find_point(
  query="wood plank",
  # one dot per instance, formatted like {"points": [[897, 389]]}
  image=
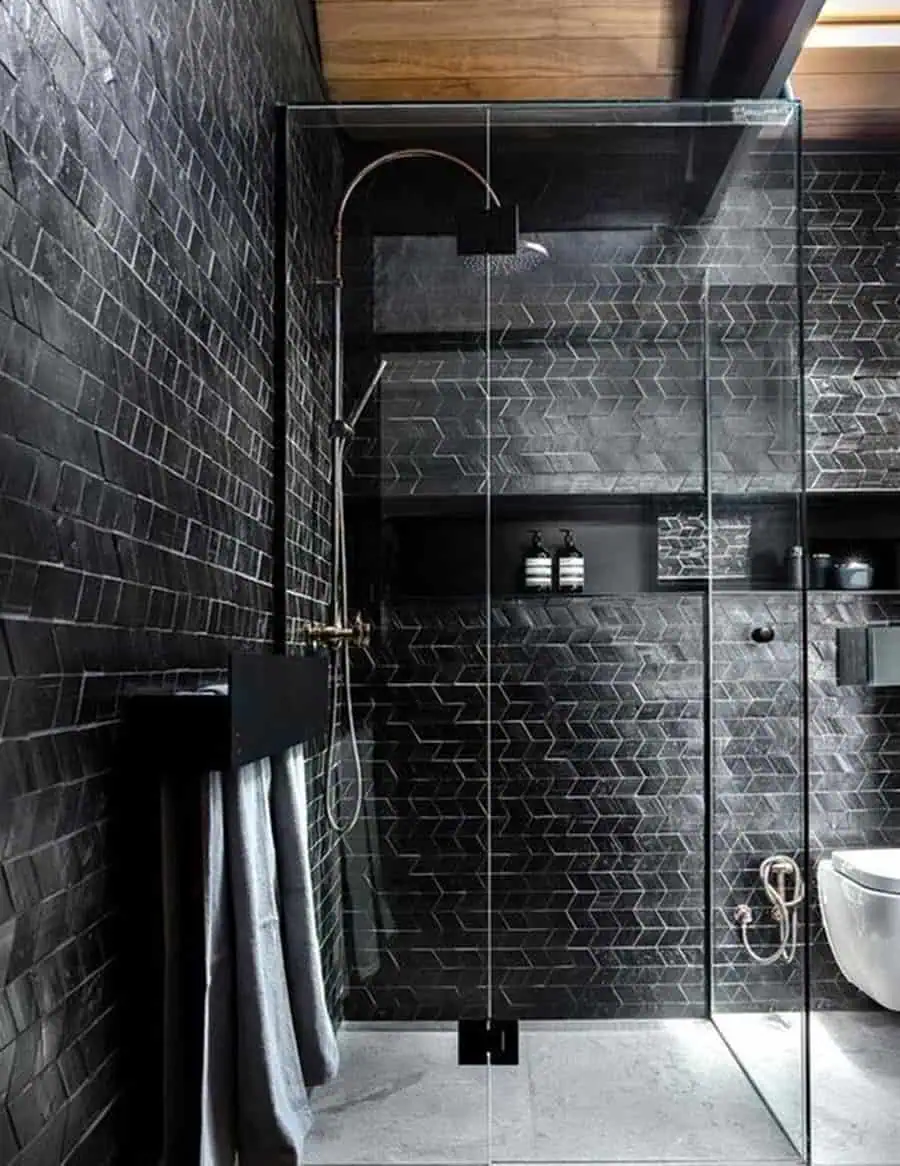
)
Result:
{"points": [[851, 125], [840, 62], [561, 88], [439, 20], [859, 11], [871, 91], [392, 60]]}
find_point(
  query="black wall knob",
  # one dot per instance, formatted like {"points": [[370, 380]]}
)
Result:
{"points": [[762, 635]]}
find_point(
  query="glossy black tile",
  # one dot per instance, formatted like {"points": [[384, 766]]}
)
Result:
{"points": [[560, 774], [135, 422]]}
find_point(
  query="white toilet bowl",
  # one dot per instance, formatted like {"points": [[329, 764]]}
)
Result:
{"points": [[860, 895]]}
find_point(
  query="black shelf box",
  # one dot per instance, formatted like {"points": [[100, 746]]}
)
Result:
{"points": [[269, 704]]}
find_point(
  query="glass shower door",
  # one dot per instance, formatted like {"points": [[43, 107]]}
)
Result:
{"points": [[597, 695], [565, 796], [645, 750], [404, 912], [758, 555]]}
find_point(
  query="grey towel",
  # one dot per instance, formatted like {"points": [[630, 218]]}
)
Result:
{"points": [[267, 1035], [273, 1113], [370, 918], [306, 988], [218, 1131]]}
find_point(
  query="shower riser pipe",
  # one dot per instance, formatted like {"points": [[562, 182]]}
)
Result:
{"points": [[337, 409]]}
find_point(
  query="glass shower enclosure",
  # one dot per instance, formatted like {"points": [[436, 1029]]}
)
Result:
{"points": [[574, 512]]}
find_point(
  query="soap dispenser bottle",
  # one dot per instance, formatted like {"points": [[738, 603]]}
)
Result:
{"points": [[538, 565], [569, 565]]}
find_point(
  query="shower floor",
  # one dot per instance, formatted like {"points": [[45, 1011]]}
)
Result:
{"points": [[608, 1091], [855, 1078]]}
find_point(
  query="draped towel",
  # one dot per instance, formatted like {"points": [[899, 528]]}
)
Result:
{"points": [[268, 1037]]}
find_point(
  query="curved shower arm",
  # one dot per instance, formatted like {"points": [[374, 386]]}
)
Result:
{"points": [[339, 426], [397, 156]]}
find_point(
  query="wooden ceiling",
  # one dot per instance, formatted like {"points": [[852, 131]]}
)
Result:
{"points": [[500, 50], [848, 74]]}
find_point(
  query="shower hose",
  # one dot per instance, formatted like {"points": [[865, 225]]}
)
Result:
{"points": [[775, 871], [341, 671]]}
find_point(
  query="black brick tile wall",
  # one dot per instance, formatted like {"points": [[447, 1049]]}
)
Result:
{"points": [[136, 231], [313, 185]]}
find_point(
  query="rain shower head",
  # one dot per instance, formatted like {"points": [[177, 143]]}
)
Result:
{"points": [[528, 255], [490, 238]]}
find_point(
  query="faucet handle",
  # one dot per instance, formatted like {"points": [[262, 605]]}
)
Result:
{"points": [[357, 635]]}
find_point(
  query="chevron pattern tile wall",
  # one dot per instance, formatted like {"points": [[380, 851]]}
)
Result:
{"points": [[854, 789], [645, 287], [598, 802], [682, 552], [612, 418], [757, 785], [424, 685], [597, 775], [754, 389], [758, 796], [597, 792], [852, 351], [609, 407], [853, 380]]}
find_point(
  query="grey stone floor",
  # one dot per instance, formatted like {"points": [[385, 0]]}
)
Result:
{"points": [[854, 1075], [642, 1091]]}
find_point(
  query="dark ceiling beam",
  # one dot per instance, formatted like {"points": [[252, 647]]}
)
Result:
{"points": [[737, 49], [707, 21], [706, 24], [760, 48]]}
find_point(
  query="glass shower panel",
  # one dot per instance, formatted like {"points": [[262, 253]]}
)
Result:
{"points": [[757, 552], [408, 871], [565, 795], [599, 717]]}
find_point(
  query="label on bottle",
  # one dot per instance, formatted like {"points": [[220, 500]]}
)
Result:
{"points": [[538, 573], [571, 574]]}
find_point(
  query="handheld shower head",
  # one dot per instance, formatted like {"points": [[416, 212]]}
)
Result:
{"points": [[354, 417]]}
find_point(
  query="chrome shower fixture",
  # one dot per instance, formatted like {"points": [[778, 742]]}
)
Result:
{"points": [[364, 399], [490, 240], [777, 872], [527, 257], [489, 235], [317, 635]]}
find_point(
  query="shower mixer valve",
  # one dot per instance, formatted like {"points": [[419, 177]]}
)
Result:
{"points": [[357, 635]]}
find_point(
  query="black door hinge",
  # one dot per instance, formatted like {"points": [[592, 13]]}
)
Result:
{"points": [[487, 1040]]}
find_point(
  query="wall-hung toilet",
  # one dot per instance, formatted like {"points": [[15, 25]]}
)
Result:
{"points": [[859, 891]]}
